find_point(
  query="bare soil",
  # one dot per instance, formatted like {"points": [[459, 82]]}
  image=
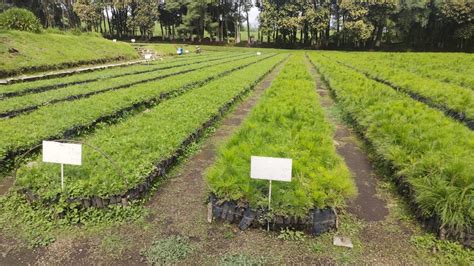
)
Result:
{"points": [[366, 206], [5, 184]]}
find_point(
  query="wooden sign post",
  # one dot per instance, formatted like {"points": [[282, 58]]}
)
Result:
{"points": [[269, 168], [62, 153]]}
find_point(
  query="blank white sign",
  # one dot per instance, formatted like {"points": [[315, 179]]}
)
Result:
{"points": [[64, 153], [270, 168]]}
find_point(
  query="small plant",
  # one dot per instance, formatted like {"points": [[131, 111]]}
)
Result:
{"points": [[345, 258], [19, 19], [102, 181], [444, 252], [316, 247], [289, 235], [113, 246], [240, 259], [168, 250], [290, 105], [440, 176], [228, 235]]}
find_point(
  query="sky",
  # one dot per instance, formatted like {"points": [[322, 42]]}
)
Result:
{"points": [[253, 16]]}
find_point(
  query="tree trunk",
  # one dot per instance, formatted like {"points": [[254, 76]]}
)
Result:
{"points": [[301, 36], [248, 28], [100, 24], [237, 30], [226, 36], [174, 33], [378, 36], [221, 31], [106, 9], [162, 32], [294, 36], [326, 34]]}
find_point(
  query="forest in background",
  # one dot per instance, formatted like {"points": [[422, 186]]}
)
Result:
{"points": [[321, 24]]}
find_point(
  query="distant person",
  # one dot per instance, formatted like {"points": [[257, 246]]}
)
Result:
{"points": [[180, 51], [198, 50]]}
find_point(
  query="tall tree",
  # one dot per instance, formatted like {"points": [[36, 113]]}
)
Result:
{"points": [[379, 15], [143, 16], [356, 27], [87, 12]]}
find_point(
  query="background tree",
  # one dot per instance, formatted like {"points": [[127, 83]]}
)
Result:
{"points": [[379, 16], [337, 24], [88, 12], [143, 15], [194, 19]]}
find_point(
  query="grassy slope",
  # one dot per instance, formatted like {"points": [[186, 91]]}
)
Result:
{"points": [[46, 51]]}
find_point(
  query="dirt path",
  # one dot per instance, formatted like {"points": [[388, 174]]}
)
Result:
{"points": [[5, 184], [366, 206]]}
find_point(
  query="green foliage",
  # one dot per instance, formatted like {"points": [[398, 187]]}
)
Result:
{"points": [[193, 21], [241, 259], [129, 144], [444, 252], [38, 226], [438, 92], [52, 83], [287, 122], [430, 151], [419, 24], [359, 30], [87, 12], [289, 235], [104, 80], [143, 17], [19, 19], [316, 247], [356, 26], [228, 235], [465, 33], [28, 130], [168, 250], [113, 246], [34, 52], [434, 69]]}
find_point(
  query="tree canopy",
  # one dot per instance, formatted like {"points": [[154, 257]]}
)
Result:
{"points": [[419, 24]]}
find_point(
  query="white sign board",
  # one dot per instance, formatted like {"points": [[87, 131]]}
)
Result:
{"points": [[63, 153], [147, 56], [269, 168], [133, 40], [114, 40]]}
